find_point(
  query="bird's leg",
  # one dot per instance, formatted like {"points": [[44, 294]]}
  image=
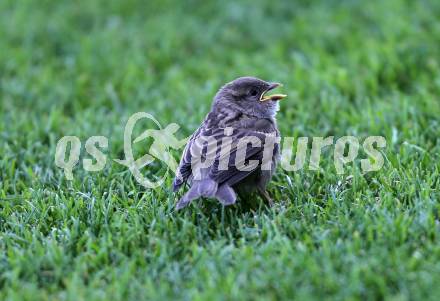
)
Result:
{"points": [[265, 195]]}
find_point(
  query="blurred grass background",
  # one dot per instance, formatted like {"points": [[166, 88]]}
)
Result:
{"points": [[349, 67]]}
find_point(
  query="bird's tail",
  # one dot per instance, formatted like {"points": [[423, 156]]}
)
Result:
{"points": [[204, 188], [208, 188]]}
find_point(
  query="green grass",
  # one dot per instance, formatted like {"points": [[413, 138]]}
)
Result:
{"points": [[349, 68]]}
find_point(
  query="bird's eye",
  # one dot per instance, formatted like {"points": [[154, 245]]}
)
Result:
{"points": [[253, 92]]}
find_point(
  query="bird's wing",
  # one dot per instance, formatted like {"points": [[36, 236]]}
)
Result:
{"points": [[183, 171], [234, 172], [225, 167]]}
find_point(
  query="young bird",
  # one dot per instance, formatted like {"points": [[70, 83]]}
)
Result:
{"points": [[240, 109]]}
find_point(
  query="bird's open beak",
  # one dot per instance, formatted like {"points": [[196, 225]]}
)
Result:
{"points": [[272, 86]]}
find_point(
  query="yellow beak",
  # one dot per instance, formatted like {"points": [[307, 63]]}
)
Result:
{"points": [[265, 97]]}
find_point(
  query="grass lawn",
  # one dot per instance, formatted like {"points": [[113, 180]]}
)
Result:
{"points": [[82, 68]]}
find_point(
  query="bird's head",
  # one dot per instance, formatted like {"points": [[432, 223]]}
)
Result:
{"points": [[249, 95]]}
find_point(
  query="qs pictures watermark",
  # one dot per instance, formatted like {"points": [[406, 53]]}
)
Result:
{"points": [[346, 150]]}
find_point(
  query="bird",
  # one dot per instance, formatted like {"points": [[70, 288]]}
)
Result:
{"points": [[241, 113]]}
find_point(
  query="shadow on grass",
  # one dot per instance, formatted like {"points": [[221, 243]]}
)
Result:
{"points": [[232, 221]]}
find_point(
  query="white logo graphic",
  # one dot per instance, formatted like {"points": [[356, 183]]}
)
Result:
{"points": [[205, 152], [163, 139]]}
